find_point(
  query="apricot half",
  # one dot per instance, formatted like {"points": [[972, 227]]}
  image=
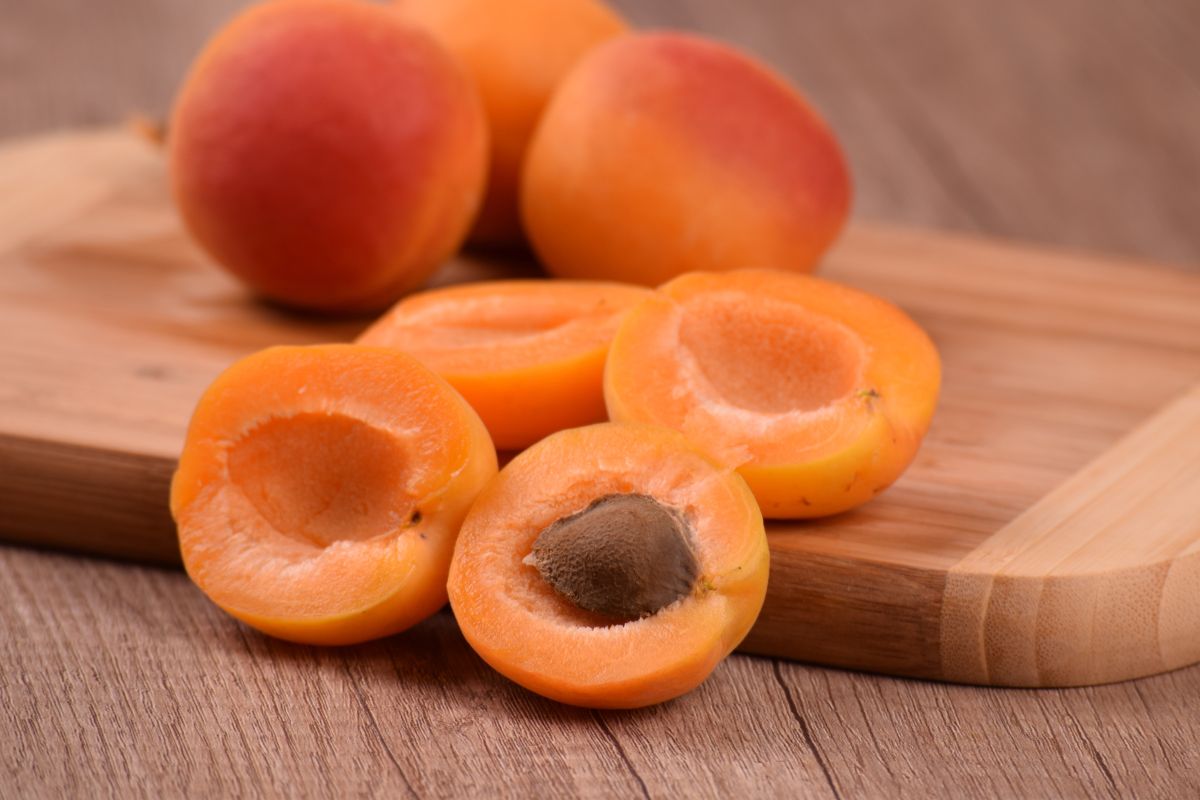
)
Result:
{"points": [[327, 154], [610, 566], [516, 51], [527, 355], [321, 488], [665, 153], [818, 393]]}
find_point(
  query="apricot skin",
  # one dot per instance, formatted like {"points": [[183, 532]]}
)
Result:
{"points": [[327, 154], [517, 51], [664, 153]]}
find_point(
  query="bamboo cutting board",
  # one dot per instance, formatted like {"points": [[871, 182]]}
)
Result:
{"points": [[1048, 533]]}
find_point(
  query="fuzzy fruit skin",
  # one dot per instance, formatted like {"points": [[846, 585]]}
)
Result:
{"points": [[665, 153], [517, 51], [327, 154]]}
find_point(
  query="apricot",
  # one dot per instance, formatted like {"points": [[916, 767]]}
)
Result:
{"points": [[610, 566], [327, 154], [517, 51], [321, 488], [665, 153], [819, 394], [528, 355]]}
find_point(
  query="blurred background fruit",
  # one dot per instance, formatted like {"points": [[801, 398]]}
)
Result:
{"points": [[517, 51], [1063, 122], [327, 153]]}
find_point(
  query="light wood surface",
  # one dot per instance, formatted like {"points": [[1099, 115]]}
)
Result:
{"points": [[114, 323], [1058, 121], [1096, 581]]}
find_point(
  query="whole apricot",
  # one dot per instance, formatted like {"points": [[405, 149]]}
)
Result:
{"points": [[517, 51], [665, 153], [327, 154]]}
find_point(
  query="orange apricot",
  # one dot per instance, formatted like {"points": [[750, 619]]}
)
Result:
{"points": [[327, 154], [517, 51], [321, 489], [528, 355], [610, 566], [665, 153], [818, 393]]}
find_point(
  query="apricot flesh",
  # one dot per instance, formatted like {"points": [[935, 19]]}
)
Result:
{"points": [[529, 631], [528, 355], [516, 51], [665, 153], [320, 491], [327, 154], [819, 394]]}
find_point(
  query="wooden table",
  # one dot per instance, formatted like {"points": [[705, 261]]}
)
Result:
{"points": [[1066, 122]]}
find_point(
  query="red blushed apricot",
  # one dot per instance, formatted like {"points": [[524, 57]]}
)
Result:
{"points": [[527, 355], [665, 153], [818, 393], [517, 51], [326, 153], [610, 566], [321, 489]]}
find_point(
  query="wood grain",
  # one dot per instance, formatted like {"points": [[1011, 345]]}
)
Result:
{"points": [[1097, 579], [1065, 122], [934, 579], [124, 680]]}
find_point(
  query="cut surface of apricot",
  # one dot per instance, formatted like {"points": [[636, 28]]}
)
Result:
{"points": [[528, 355], [610, 566], [818, 393], [321, 488]]}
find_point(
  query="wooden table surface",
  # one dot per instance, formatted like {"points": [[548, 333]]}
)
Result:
{"points": [[1069, 122]]}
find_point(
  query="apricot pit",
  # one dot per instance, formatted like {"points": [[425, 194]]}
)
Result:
{"points": [[625, 556]]}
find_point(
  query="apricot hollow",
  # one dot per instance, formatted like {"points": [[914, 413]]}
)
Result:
{"points": [[321, 488], [326, 153], [528, 355], [819, 394], [665, 153], [517, 51], [610, 566]]}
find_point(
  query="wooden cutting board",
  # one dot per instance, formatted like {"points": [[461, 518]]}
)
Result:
{"points": [[1048, 533]]}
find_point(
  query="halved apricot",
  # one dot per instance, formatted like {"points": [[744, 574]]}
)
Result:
{"points": [[527, 355], [818, 393], [321, 489], [610, 566]]}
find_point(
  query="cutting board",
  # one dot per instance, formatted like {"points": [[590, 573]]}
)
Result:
{"points": [[1048, 533]]}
